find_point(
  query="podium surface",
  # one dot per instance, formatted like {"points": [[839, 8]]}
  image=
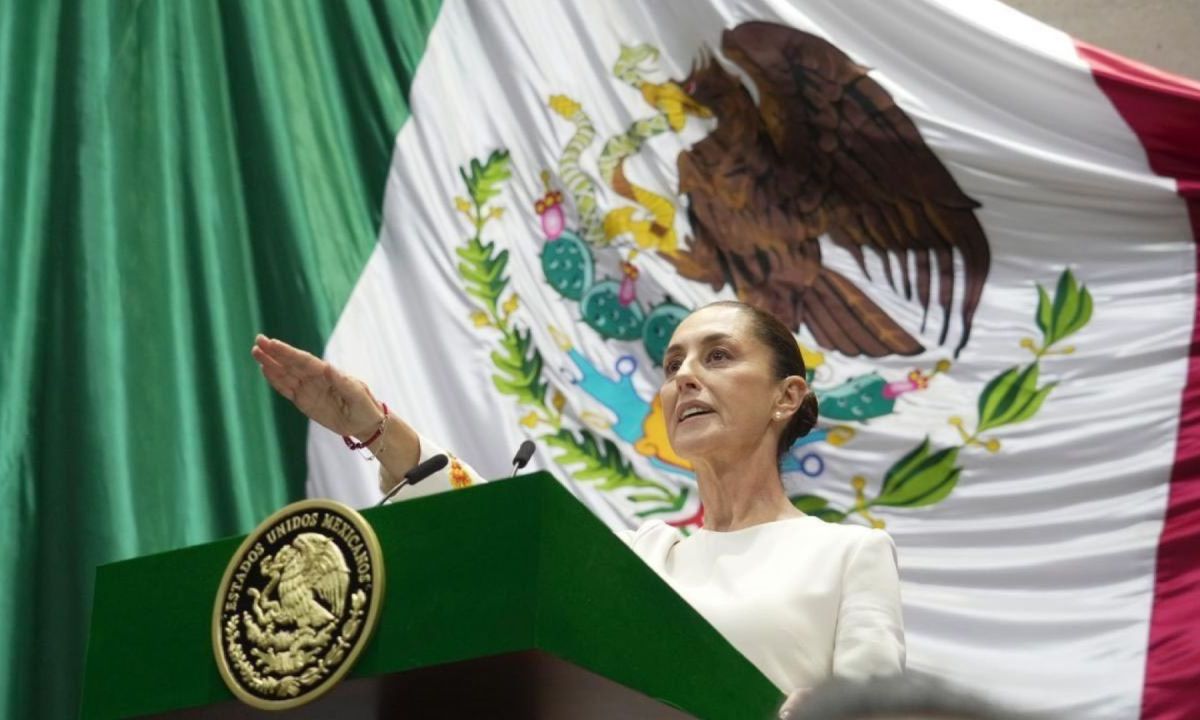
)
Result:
{"points": [[508, 599]]}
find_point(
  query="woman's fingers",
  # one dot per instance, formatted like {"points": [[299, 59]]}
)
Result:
{"points": [[266, 361], [285, 367], [279, 382], [293, 359], [276, 374]]}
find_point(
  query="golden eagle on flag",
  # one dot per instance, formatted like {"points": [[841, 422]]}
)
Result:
{"points": [[825, 150]]}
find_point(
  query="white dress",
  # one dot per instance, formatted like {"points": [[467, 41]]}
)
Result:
{"points": [[802, 599]]}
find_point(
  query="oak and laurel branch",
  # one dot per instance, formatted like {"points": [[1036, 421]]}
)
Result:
{"points": [[927, 475], [518, 362], [288, 685]]}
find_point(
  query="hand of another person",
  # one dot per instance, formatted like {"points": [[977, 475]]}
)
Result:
{"points": [[326, 395]]}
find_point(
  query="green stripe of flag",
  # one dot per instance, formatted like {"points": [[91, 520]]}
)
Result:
{"points": [[174, 176]]}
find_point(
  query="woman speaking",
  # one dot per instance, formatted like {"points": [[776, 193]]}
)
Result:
{"points": [[802, 599]]}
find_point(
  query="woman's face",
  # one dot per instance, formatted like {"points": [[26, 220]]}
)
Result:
{"points": [[720, 393]]}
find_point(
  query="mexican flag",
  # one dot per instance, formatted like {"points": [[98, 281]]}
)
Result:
{"points": [[982, 232]]}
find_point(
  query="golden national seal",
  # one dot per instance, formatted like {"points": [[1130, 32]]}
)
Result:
{"points": [[298, 601]]}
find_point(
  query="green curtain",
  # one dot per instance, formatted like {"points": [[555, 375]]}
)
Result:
{"points": [[174, 177]]}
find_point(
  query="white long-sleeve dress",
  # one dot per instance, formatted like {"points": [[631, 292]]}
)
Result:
{"points": [[802, 599]]}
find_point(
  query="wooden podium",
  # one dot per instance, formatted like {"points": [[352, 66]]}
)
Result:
{"points": [[505, 600]]}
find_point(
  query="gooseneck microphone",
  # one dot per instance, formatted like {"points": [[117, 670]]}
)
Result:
{"points": [[437, 462], [521, 459], [417, 474]]}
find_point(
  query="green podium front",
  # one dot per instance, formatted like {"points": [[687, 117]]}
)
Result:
{"points": [[504, 600]]}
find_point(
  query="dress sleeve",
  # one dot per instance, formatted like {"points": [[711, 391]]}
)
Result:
{"points": [[456, 475], [870, 630]]}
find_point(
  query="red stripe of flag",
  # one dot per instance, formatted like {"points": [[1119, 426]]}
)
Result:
{"points": [[1164, 111]]}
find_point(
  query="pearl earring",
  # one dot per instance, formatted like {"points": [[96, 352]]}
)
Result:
{"points": [[778, 416]]}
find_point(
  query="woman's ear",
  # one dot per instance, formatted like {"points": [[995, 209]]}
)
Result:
{"points": [[793, 391]]}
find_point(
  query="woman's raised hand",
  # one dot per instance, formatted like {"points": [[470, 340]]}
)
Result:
{"points": [[328, 396]]}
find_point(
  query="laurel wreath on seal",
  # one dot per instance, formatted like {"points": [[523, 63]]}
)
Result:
{"points": [[295, 671]]}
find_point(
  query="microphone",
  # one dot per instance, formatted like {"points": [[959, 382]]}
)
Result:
{"points": [[521, 459], [417, 474]]}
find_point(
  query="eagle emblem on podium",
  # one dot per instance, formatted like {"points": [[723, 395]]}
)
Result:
{"points": [[298, 602]]}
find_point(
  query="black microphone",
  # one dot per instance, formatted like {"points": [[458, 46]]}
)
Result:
{"points": [[417, 474], [521, 459]]}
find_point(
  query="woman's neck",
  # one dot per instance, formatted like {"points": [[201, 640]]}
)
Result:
{"points": [[741, 495]]}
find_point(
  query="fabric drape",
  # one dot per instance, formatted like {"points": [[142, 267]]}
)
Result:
{"points": [[174, 177]]}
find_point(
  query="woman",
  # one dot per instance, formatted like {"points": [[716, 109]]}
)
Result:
{"points": [[800, 598]]}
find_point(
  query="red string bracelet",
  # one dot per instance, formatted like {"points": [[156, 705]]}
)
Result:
{"points": [[350, 442]]}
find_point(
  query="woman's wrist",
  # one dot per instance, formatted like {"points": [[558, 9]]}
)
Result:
{"points": [[371, 434]]}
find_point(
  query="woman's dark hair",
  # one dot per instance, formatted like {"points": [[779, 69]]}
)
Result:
{"points": [[787, 361]]}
